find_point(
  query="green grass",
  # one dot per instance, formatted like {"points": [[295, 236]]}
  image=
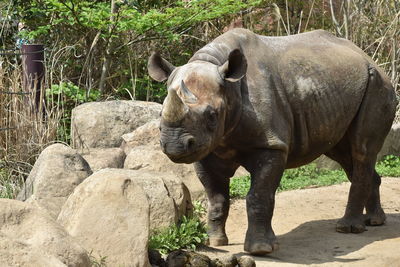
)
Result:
{"points": [[187, 234], [311, 176]]}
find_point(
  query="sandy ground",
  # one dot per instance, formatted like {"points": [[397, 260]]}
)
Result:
{"points": [[304, 222]]}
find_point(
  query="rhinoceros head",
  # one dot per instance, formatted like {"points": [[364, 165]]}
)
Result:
{"points": [[194, 111]]}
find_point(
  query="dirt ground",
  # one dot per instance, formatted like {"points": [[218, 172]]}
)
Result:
{"points": [[304, 222]]}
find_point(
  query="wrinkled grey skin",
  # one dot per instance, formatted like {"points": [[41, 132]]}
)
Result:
{"points": [[270, 103]]}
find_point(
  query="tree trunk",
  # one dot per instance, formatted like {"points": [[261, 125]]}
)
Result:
{"points": [[109, 48]]}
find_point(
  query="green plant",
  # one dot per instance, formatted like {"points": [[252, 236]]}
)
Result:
{"points": [[187, 234], [64, 97], [311, 176], [100, 261], [239, 186], [389, 166]]}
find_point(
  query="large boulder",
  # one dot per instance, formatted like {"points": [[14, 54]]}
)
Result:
{"points": [[147, 134], [109, 215], [102, 158], [392, 142], [30, 237], [101, 124], [56, 173], [151, 158]]}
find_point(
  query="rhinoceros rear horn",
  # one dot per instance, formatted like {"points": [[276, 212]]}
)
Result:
{"points": [[159, 69], [174, 109], [235, 67], [187, 94]]}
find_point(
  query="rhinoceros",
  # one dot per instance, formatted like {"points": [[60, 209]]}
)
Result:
{"points": [[271, 103]]}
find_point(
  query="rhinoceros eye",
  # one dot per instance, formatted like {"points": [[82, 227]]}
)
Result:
{"points": [[212, 118]]}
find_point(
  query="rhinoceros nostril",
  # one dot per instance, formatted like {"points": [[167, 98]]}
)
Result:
{"points": [[190, 143]]}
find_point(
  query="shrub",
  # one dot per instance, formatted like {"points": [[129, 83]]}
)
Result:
{"points": [[187, 234], [389, 166]]}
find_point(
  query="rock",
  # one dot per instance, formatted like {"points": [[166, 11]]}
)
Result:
{"points": [[30, 237], [101, 124], [180, 258], [240, 172], [109, 214], [178, 191], [56, 173], [323, 162], [246, 261], [392, 142], [163, 211], [151, 158], [155, 258], [225, 261], [147, 134], [102, 158]]}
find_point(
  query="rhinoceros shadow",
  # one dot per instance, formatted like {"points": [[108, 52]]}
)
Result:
{"points": [[317, 242]]}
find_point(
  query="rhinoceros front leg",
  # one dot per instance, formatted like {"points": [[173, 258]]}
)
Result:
{"points": [[266, 170], [214, 174]]}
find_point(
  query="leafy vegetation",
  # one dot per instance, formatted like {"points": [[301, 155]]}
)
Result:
{"points": [[187, 234], [64, 97], [311, 176], [389, 166]]}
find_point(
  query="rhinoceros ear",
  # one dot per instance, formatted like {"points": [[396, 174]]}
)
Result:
{"points": [[235, 67], [159, 69]]}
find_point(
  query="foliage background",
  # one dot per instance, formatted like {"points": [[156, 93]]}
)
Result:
{"points": [[98, 49]]}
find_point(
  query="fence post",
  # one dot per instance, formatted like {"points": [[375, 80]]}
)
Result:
{"points": [[33, 71]]}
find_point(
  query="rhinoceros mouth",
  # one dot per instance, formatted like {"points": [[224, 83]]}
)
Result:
{"points": [[189, 158]]}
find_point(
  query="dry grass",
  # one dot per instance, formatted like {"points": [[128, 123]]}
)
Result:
{"points": [[24, 129]]}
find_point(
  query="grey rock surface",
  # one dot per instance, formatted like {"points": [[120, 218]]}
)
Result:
{"points": [[109, 214], [30, 237], [56, 173], [101, 124], [102, 158]]}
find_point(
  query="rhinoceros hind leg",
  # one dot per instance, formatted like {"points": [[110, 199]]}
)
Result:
{"points": [[364, 188], [375, 215]]}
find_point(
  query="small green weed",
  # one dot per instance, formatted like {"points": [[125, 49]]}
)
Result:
{"points": [[311, 176], [100, 261], [187, 234]]}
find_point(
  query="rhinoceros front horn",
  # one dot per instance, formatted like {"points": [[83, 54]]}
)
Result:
{"points": [[173, 108]]}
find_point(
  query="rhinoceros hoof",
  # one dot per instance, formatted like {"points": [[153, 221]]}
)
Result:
{"points": [[218, 241], [260, 248], [350, 225], [375, 218]]}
